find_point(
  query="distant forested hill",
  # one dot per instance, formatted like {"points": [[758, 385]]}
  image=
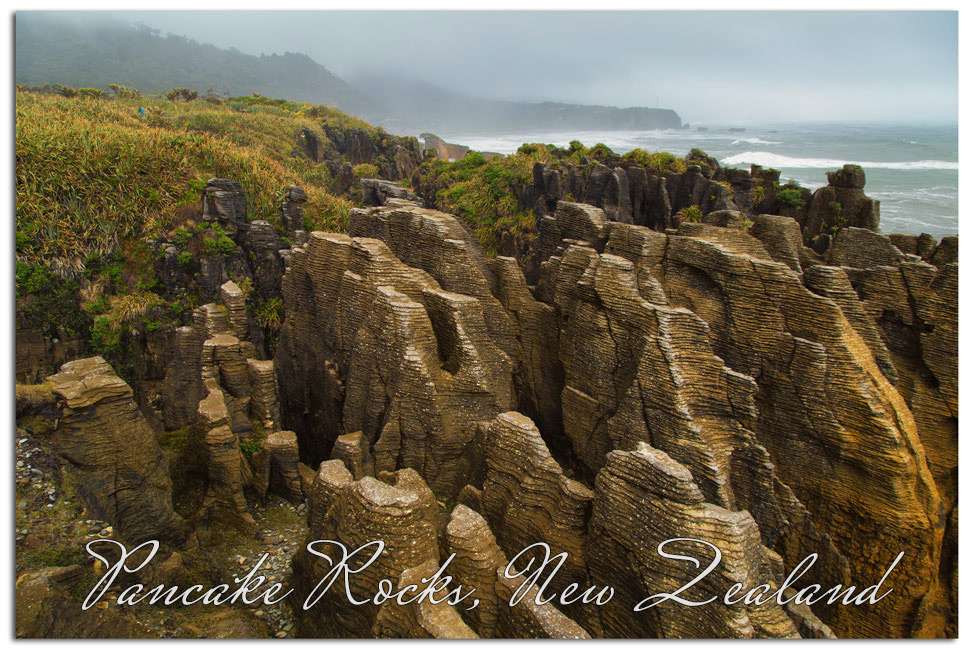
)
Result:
{"points": [[421, 106], [95, 51]]}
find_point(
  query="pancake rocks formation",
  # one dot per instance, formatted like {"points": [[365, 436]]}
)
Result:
{"points": [[702, 382], [635, 378]]}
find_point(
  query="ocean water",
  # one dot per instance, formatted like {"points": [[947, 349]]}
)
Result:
{"points": [[911, 170]]}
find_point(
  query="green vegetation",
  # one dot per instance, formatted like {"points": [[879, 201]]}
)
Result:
{"points": [[269, 314], [659, 163], [692, 214], [50, 303], [175, 440], [758, 197], [250, 446], [790, 196], [365, 170], [181, 93], [90, 174], [482, 192], [223, 245]]}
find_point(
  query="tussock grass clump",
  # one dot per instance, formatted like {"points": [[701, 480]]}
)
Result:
{"points": [[91, 172], [484, 192]]}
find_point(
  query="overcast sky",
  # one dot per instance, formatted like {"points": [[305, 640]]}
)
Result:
{"points": [[711, 67]]}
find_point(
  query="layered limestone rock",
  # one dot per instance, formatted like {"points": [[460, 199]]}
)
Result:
{"points": [[356, 513], [121, 472], [538, 372], [422, 619], [477, 558], [227, 471], [827, 416], [377, 192], [643, 499], [292, 211], [264, 400], [912, 305], [841, 203], [225, 202], [390, 352], [277, 467], [717, 381], [353, 450], [528, 500], [631, 193], [529, 619]]}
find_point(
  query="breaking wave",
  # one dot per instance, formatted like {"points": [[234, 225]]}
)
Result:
{"points": [[768, 159]]}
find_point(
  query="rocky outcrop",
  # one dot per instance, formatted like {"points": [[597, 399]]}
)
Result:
{"points": [[121, 472], [716, 381], [842, 203], [475, 565], [528, 499], [390, 351], [377, 192], [422, 619], [643, 499], [912, 307], [277, 467], [355, 513], [529, 619], [442, 149], [616, 387], [227, 471], [396, 157], [763, 323]]}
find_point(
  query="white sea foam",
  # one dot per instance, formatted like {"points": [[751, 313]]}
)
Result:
{"points": [[768, 159], [752, 140]]}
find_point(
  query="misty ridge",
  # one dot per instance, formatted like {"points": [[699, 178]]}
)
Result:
{"points": [[96, 51]]}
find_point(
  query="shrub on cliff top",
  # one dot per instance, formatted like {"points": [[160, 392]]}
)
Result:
{"points": [[790, 196], [661, 162], [365, 170]]}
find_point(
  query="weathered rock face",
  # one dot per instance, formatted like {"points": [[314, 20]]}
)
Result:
{"points": [[227, 472], [122, 473], [442, 149], [842, 203], [644, 498], [38, 354], [396, 157], [355, 513], [701, 383], [475, 565], [377, 192], [422, 619], [527, 499], [820, 396], [277, 466], [390, 351], [912, 306], [630, 195]]}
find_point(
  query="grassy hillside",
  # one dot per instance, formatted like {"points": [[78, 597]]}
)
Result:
{"points": [[93, 172], [95, 50]]}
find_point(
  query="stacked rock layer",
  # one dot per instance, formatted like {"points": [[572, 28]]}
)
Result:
{"points": [[719, 381]]}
